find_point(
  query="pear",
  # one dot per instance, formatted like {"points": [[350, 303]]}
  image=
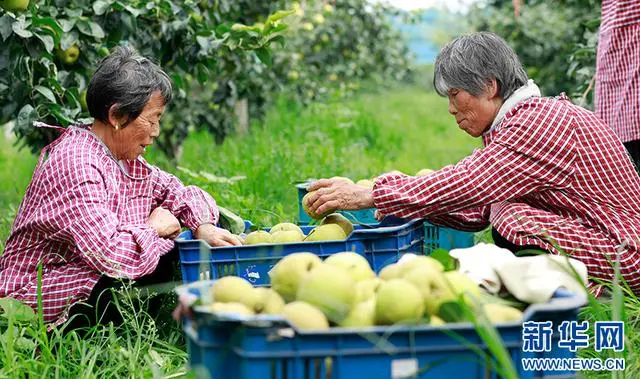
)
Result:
{"points": [[343, 178], [419, 262], [231, 309], [432, 286], [424, 172], [329, 288], [398, 301], [436, 321], [287, 274], [328, 232], [268, 301], [389, 272], [286, 227], [338, 219], [233, 289], [365, 183], [362, 315], [287, 236], [306, 209], [354, 264], [499, 313], [367, 289], [448, 288], [305, 316], [258, 237]]}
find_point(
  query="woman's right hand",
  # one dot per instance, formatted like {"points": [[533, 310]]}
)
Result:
{"points": [[165, 223]]}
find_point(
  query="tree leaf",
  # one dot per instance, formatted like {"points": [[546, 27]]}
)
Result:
{"points": [[100, 7], [265, 55], [25, 117], [68, 40], [203, 73], [48, 41], [66, 25], [277, 39], [96, 30], [5, 26], [279, 15], [46, 92], [12, 308], [20, 28]]}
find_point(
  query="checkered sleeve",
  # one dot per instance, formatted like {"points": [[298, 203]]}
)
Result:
{"points": [[532, 153], [190, 204], [85, 220]]}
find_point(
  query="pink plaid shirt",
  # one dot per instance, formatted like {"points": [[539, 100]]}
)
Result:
{"points": [[617, 97], [84, 215], [551, 174]]}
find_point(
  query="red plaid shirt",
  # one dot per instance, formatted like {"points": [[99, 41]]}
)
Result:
{"points": [[551, 174], [84, 215], [617, 97]]}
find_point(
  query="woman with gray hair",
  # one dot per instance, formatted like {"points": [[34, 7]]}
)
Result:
{"points": [[95, 210], [551, 175]]}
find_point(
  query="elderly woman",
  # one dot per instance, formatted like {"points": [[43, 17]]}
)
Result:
{"points": [[95, 211], [551, 175]]}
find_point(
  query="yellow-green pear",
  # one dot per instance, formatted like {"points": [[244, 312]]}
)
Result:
{"points": [[365, 183], [329, 288], [287, 236], [70, 55], [421, 261], [362, 315], [436, 321], [14, 5], [366, 289], [328, 232], [343, 178], [268, 301], [306, 209], [289, 272], [398, 301], [499, 313], [258, 237], [286, 226], [231, 309], [233, 289], [354, 264], [389, 272], [424, 172], [432, 286], [338, 219], [305, 316], [452, 285]]}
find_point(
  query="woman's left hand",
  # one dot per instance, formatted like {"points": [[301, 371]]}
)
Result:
{"points": [[217, 237], [338, 194]]}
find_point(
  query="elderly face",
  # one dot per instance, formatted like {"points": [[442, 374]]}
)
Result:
{"points": [[474, 114], [132, 140]]}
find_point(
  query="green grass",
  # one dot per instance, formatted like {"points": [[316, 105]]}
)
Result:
{"points": [[404, 129]]}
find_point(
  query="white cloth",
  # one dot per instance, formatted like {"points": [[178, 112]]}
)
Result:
{"points": [[525, 92], [532, 279], [479, 263]]}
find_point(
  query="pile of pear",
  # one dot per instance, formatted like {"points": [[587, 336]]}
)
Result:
{"points": [[333, 227], [343, 291]]}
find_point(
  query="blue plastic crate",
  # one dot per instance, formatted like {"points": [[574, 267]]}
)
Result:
{"points": [[267, 347], [434, 236], [381, 245], [438, 237]]}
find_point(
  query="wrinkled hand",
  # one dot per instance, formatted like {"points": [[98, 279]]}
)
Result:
{"points": [[164, 223], [216, 237], [338, 194]]}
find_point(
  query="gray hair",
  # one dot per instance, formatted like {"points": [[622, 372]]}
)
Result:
{"points": [[471, 61], [127, 80]]}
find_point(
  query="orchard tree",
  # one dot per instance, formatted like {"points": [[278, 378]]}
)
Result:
{"points": [[50, 48]]}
